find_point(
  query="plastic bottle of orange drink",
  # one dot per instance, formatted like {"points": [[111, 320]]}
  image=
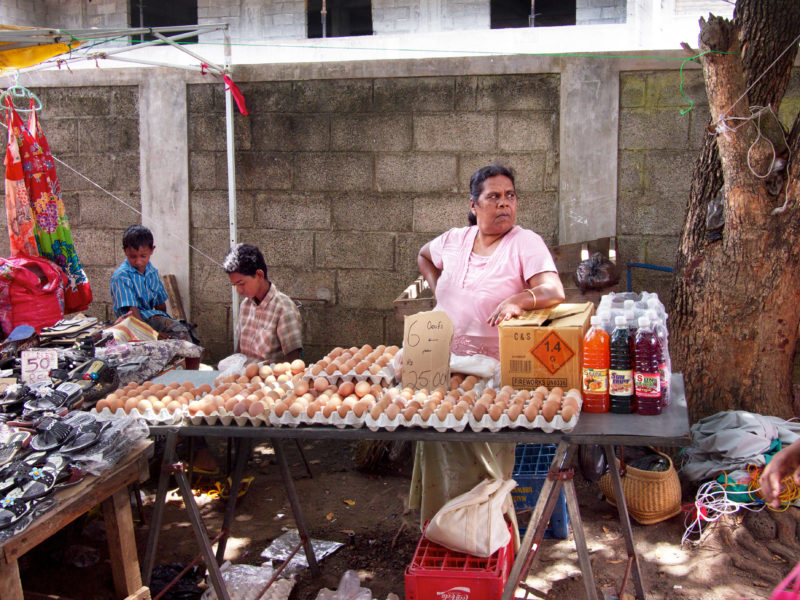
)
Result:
{"points": [[595, 368]]}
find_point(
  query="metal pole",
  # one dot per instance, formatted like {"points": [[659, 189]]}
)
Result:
{"points": [[231, 177], [324, 17]]}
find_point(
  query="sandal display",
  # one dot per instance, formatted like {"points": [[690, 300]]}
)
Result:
{"points": [[12, 509], [10, 447], [51, 433]]}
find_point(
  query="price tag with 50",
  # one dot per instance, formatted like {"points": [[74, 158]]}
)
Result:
{"points": [[36, 365]]}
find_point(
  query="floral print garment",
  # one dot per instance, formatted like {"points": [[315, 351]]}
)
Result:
{"points": [[52, 231]]}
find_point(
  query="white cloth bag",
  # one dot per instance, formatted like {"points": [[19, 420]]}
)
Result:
{"points": [[474, 522]]}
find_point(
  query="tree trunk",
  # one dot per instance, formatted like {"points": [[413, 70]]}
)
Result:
{"points": [[736, 301]]}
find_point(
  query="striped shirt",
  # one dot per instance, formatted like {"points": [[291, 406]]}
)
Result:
{"points": [[145, 290], [271, 329]]}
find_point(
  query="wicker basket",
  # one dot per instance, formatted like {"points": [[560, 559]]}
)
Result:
{"points": [[651, 496]]}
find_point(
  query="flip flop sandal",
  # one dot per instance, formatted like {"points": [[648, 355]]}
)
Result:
{"points": [[51, 433], [15, 442], [70, 476], [12, 471], [244, 486], [12, 509], [40, 480], [84, 435]]}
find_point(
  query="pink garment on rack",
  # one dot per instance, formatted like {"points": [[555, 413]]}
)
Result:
{"points": [[18, 205]]}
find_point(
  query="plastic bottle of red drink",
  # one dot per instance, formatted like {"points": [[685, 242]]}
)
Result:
{"points": [[595, 368], [646, 380], [664, 365], [620, 370]]}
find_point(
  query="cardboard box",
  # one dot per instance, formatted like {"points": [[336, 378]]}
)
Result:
{"points": [[544, 347]]}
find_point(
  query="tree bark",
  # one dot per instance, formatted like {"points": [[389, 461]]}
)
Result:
{"points": [[736, 301]]}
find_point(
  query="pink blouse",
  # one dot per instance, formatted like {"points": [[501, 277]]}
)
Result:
{"points": [[471, 286]]}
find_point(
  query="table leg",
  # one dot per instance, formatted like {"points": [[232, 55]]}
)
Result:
{"points": [[10, 584], [288, 483], [158, 507], [122, 543], [625, 522], [545, 504], [243, 448], [580, 539], [201, 534]]}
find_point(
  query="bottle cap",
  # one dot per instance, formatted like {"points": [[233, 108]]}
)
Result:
{"points": [[620, 321], [644, 322], [594, 320], [628, 304], [652, 315]]}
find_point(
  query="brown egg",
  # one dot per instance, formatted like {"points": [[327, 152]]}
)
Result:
{"points": [[158, 406], [257, 409], [359, 408], [264, 371], [496, 411], [203, 389], [280, 408], [467, 384], [459, 411], [479, 410], [251, 370], [569, 401], [103, 403], [514, 411], [376, 411], [331, 368], [392, 411], [317, 369], [328, 410], [426, 413], [568, 412], [230, 403], [321, 384], [574, 393], [131, 403], [239, 409], [281, 368], [361, 367], [362, 388], [531, 411], [464, 407], [346, 388], [549, 410], [173, 406]]}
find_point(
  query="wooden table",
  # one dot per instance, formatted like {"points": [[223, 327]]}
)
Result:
{"points": [[671, 428], [110, 489]]}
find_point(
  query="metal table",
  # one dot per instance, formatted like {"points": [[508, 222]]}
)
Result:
{"points": [[671, 428]]}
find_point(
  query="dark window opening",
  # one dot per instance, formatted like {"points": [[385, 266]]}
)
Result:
{"points": [[157, 13], [552, 13], [531, 13], [344, 18]]}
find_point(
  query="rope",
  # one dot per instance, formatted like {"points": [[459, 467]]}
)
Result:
{"points": [[137, 211]]}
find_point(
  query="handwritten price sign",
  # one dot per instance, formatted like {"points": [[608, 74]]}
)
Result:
{"points": [[426, 350], [36, 365]]}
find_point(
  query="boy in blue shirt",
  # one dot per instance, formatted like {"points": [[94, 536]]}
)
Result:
{"points": [[136, 286]]}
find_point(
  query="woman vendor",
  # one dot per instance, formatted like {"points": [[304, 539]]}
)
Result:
{"points": [[482, 274]]}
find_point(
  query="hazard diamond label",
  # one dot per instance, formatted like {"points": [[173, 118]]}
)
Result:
{"points": [[552, 352]]}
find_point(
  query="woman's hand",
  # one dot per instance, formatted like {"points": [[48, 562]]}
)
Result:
{"points": [[509, 308], [783, 464]]}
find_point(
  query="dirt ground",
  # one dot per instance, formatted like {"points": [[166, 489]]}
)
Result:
{"points": [[366, 511]]}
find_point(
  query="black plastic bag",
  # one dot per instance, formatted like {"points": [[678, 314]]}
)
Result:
{"points": [[596, 273]]}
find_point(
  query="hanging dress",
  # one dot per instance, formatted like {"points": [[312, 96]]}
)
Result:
{"points": [[18, 207], [51, 227]]}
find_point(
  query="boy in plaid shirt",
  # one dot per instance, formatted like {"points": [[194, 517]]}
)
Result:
{"points": [[269, 327]]}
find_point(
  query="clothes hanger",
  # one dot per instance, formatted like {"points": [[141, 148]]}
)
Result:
{"points": [[20, 95]]}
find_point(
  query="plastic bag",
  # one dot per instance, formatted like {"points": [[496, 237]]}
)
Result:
{"points": [[349, 589], [596, 273], [247, 582], [31, 292], [232, 365]]}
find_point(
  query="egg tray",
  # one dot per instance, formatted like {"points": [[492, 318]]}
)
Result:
{"points": [[385, 377], [349, 420], [162, 417], [225, 418]]}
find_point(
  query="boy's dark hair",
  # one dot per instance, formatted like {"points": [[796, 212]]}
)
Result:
{"points": [[137, 236], [245, 259]]}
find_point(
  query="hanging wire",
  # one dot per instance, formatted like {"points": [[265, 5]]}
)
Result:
{"points": [[136, 210]]}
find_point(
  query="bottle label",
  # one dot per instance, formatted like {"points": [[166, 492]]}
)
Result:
{"points": [[663, 375], [620, 383], [595, 380], [647, 385]]}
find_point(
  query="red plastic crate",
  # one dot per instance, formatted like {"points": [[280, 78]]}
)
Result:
{"points": [[436, 573]]}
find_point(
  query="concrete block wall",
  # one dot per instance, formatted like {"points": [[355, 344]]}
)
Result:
{"points": [[30, 13], [593, 12], [80, 14], [658, 147], [342, 181], [94, 130], [254, 19]]}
